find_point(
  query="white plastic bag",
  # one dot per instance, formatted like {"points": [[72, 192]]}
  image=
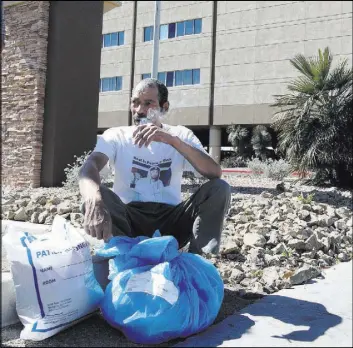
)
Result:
{"points": [[53, 277]]}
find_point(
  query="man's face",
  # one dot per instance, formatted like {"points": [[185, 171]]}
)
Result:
{"points": [[154, 174], [145, 102]]}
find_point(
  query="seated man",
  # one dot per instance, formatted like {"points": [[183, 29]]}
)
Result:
{"points": [[149, 160]]}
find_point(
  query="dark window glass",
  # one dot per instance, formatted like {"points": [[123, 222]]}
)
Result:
{"points": [[180, 28], [107, 41], [195, 76], [171, 32], [119, 83], [121, 38], [187, 77], [146, 76], [2, 25], [161, 77], [148, 34], [189, 27], [114, 39], [198, 26], [105, 84], [178, 78], [163, 32], [113, 83], [170, 78]]}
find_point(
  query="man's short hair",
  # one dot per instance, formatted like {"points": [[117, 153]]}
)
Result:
{"points": [[154, 83], [155, 168]]}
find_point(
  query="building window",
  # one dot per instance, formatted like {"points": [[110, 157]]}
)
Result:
{"points": [[146, 76], [171, 30], [108, 84], [148, 34], [180, 28], [178, 78], [187, 77], [161, 77], [170, 79], [2, 26], [195, 76], [197, 26], [113, 39], [189, 27], [163, 32], [121, 35]]}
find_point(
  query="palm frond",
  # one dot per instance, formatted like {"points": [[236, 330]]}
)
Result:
{"points": [[314, 120]]}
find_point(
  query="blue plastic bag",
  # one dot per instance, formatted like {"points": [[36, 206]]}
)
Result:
{"points": [[157, 293]]}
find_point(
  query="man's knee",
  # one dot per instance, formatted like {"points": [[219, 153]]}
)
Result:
{"points": [[220, 187], [105, 192]]}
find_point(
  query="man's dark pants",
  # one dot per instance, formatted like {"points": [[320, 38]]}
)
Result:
{"points": [[198, 219]]}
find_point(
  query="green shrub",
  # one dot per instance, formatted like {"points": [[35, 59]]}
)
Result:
{"points": [[72, 173], [261, 141], [233, 162], [314, 120], [257, 166], [306, 200], [239, 138], [272, 169], [277, 169]]}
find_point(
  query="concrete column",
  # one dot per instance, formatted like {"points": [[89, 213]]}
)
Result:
{"points": [[215, 143], [72, 85]]}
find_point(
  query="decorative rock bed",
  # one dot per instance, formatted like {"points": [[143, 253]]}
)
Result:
{"points": [[274, 237]]}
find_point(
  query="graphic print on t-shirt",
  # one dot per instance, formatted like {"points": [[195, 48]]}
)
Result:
{"points": [[148, 179]]}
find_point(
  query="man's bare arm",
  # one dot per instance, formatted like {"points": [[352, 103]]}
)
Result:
{"points": [[97, 221], [89, 178], [203, 163]]}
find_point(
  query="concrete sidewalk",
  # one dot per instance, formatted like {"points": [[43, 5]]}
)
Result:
{"points": [[318, 314], [315, 314]]}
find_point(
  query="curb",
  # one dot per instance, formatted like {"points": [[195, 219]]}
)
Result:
{"points": [[8, 301], [8, 294]]}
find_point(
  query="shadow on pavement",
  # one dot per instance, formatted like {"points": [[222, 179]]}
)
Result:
{"points": [[95, 332], [285, 309], [298, 313]]}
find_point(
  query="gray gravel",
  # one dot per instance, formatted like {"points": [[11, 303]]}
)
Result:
{"points": [[95, 332]]}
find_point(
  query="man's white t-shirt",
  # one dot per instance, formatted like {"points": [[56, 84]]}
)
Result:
{"points": [[133, 166]]}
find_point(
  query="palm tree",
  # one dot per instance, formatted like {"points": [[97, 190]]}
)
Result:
{"points": [[314, 120], [261, 141], [239, 138]]}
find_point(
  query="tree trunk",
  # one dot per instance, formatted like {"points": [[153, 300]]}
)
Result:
{"points": [[344, 176]]}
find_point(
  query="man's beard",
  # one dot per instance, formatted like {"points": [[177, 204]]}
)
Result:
{"points": [[153, 115], [140, 119]]}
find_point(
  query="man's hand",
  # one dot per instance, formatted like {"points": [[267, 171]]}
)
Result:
{"points": [[97, 221], [204, 164], [145, 134]]}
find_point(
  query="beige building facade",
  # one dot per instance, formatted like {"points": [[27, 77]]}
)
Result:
{"points": [[239, 59]]}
